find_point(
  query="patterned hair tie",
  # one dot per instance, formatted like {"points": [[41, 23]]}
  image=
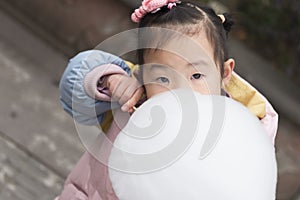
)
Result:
{"points": [[151, 6]]}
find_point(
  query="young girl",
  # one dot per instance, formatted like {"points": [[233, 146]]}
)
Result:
{"points": [[98, 75]]}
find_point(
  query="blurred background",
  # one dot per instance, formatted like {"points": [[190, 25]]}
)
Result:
{"points": [[38, 141]]}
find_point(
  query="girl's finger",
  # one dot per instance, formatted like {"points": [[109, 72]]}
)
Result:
{"points": [[135, 98], [131, 98], [126, 95], [131, 110], [119, 90], [128, 92]]}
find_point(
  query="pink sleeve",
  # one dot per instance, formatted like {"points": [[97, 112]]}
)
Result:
{"points": [[92, 79], [270, 121], [70, 192]]}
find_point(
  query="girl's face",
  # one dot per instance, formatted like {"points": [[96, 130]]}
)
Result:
{"points": [[164, 70]]}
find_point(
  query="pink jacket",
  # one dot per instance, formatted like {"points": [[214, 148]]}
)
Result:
{"points": [[89, 179]]}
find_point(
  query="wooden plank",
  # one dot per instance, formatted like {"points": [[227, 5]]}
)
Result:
{"points": [[22, 177]]}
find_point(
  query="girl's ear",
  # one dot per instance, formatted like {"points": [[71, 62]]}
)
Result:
{"points": [[228, 68]]}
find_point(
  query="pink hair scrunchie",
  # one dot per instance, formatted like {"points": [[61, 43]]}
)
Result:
{"points": [[150, 6]]}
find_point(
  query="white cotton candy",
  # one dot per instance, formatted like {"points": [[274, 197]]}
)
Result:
{"points": [[223, 153]]}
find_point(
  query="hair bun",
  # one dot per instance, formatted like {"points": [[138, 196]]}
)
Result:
{"points": [[228, 23]]}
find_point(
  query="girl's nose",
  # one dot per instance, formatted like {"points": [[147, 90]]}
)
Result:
{"points": [[181, 83]]}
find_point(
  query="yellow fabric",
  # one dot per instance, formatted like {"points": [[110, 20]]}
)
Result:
{"points": [[107, 120], [134, 68], [242, 92], [131, 65]]}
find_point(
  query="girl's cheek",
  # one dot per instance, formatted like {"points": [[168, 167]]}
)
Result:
{"points": [[201, 87], [211, 80], [213, 84]]}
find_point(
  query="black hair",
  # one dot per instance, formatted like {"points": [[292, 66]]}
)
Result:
{"points": [[189, 18]]}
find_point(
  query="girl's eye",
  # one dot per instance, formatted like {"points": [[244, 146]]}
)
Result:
{"points": [[162, 80], [196, 76]]}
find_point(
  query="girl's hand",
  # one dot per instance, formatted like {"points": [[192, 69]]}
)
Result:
{"points": [[124, 89]]}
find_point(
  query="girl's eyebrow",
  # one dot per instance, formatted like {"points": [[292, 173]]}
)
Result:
{"points": [[197, 63], [158, 66]]}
